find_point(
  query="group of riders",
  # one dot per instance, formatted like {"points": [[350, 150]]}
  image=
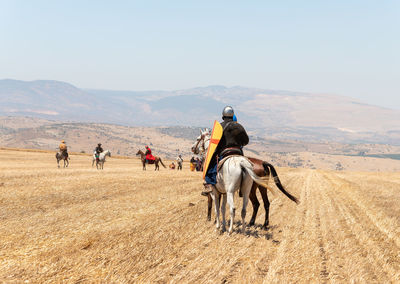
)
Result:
{"points": [[98, 150], [234, 138], [64, 150]]}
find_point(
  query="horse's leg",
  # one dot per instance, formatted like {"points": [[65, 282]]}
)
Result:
{"points": [[67, 163], [246, 186], [223, 211], [232, 209], [58, 163], [264, 196], [216, 203], [209, 207], [93, 162], [254, 202]]}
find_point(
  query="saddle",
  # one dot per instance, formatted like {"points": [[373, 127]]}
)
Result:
{"points": [[221, 163], [63, 154], [227, 153], [150, 161]]}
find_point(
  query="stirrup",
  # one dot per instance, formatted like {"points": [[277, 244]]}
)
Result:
{"points": [[207, 189]]}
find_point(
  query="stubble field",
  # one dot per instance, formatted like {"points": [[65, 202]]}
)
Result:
{"points": [[125, 225]]}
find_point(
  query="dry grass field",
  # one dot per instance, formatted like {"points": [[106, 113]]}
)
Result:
{"points": [[125, 225]]}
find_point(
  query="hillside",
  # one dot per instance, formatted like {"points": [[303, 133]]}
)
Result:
{"points": [[273, 114], [168, 142], [125, 225]]}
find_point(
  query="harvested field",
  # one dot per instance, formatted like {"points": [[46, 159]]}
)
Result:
{"points": [[126, 225]]}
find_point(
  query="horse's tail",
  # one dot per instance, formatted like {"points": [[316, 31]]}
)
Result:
{"points": [[162, 163], [268, 167], [246, 165]]}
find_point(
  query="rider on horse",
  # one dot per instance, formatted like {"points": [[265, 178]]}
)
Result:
{"points": [[149, 157], [98, 150], [234, 137], [63, 148]]}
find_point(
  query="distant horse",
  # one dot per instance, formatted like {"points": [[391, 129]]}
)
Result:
{"points": [[156, 161], [102, 158], [261, 168], [62, 156]]}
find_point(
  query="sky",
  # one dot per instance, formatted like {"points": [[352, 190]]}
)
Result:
{"points": [[348, 48]]}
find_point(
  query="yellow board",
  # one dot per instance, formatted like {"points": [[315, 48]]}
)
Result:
{"points": [[216, 136]]}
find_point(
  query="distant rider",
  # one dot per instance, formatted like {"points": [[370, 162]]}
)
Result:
{"points": [[234, 137], [63, 148], [149, 157], [98, 151]]}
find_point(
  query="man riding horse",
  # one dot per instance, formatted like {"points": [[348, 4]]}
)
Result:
{"points": [[149, 157], [63, 149], [98, 151], [234, 137]]}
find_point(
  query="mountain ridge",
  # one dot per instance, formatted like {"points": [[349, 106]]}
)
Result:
{"points": [[262, 109]]}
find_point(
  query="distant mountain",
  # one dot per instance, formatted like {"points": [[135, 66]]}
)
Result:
{"points": [[269, 113]]}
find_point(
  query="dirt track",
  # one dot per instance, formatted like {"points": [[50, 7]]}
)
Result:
{"points": [[124, 225]]}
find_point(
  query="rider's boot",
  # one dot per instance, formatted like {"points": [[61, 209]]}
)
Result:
{"points": [[208, 188]]}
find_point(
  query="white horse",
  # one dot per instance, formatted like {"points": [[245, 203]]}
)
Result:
{"points": [[236, 173], [102, 158], [202, 142]]}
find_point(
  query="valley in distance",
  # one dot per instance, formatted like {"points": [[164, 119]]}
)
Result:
{"points": [[286, 128], [170, 141]]}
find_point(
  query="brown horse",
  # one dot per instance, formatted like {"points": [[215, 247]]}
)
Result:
{"points": [[62, 156], [262, 169], [156, 161]]}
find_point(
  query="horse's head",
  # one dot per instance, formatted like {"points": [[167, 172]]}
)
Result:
{"points": [[199, 145], [139, 152]]}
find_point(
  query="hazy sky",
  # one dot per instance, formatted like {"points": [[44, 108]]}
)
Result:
{"points": [[350, 48]]}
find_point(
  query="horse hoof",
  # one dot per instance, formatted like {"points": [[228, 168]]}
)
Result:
{"points": [[251, 223]]}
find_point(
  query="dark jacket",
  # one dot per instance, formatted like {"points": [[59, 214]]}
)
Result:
{"points": [[99, 150], [234, 135]]}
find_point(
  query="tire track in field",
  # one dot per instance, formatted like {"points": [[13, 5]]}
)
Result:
{"points": [[370, 239], [321, 242], [380, 228], [345, 259], [299, 241], [388, 230]]}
